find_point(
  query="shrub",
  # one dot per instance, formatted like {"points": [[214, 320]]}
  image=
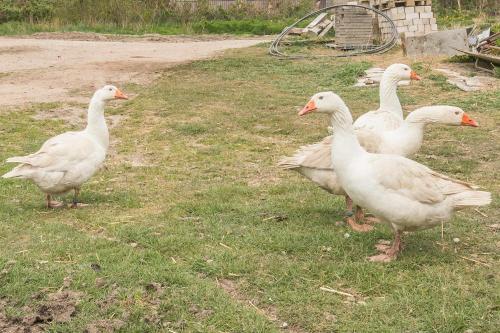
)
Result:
{"points": [[26, 10]]}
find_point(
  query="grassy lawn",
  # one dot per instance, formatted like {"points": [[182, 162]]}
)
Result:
{"points": [[193, 228]]}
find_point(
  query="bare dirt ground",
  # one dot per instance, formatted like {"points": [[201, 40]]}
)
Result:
{"points": [[69, 66]]}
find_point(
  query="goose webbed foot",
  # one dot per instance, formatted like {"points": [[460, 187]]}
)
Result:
{"points": [[371, 220], [361, 217], [381, 257], [388, 253], [353, 221], [358, 227], [75, 203], [53, 203], [382, 246], [78, 205]]}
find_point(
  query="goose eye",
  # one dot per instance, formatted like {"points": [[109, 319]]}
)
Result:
{"points": [[110, 89], [457, 112], [320, 97]]}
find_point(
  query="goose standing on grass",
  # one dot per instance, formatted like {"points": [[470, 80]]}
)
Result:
{"points": [[403, 193], [314, 161], [66, 161]]}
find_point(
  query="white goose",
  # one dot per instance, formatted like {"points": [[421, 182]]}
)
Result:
{"points": [[405, 194], [66, 161], [314, 161], [390, 113]]}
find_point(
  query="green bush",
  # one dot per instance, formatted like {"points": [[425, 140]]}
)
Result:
{"points": [[26, 10], [157, 12], [256, 27], [461, 58], [145, 12]]}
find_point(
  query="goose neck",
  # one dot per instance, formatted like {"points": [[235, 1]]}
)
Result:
{"points": [[423, 116], [345, 144], [96, 123], [407, 139], [389, 100]]}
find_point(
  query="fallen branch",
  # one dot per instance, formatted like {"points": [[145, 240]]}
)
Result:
{"points": [[224, 245], [331, 290], [476, 261], [480, 212]]}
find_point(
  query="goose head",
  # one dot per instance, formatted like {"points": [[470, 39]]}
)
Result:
{"points": [[108, 93], [443, 114], [324, 102], [400, 72]]}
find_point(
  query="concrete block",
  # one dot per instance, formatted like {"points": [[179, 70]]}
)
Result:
{"points": [[392, 11], [433, 20], [400, 9], [434, 27], [401, 16], [412, 28], [409, 10], [426, 15], [427, 9], [435, 43], [427, 28], [402, 29], [420, 28], [426, 21], [419, 9], [416, 21], [409, 34], [411, 16]]}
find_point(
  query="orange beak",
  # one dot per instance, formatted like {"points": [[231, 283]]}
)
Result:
{"points": [[467, 121], [414, 76], [310, 107], [120, 95]]}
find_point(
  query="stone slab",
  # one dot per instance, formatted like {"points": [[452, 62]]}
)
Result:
{"points": [[435, 43]]}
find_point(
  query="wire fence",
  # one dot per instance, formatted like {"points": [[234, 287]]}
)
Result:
{"points": [[262, 5]]}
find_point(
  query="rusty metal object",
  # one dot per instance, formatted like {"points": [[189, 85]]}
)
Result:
{"points": [[486, 52]]}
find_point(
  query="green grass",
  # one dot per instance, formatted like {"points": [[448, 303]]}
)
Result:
{"points": [[496, 72], [465, 18], [235, 27], [210, 209], [245, 26], [24, 28], [441, 81]]}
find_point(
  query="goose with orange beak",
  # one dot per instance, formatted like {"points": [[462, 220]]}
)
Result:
{"points": [[68, 160]]}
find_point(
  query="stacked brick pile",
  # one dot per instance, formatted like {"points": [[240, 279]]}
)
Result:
{"points": [[411, 17], [353, 26]]}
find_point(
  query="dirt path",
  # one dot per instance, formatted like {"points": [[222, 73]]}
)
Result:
{"points": [[68, 67]]}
